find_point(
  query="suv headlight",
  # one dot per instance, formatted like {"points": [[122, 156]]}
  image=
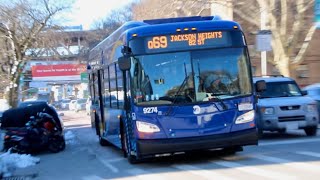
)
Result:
{"points": [[246, 117], [147, 127], [311, 108], [267, 110]]}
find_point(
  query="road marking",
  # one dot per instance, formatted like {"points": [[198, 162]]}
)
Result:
{"points": [[297, 165], [200, 172], [309, 153], [145, 175], [253, 170], [116, 160], [92, 177], [289, 142], [104, 162]]}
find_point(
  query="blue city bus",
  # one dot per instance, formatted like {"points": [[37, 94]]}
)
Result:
{"points": [[165, 86]]}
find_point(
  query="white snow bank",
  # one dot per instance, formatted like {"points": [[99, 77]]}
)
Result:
{"points": [[10, 161], [70, 138]]}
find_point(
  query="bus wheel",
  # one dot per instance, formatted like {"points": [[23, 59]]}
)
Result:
{"points": [[103, 142], [125, 147], [96, 122], [133, 159], [232, 150], [260, 133]]}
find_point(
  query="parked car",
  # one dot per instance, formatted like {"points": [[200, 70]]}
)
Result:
{"points": [[80, 104], [31, 103], [72, 105], [314, 92], [1, 112], [22, 115], [56, 104], [283, 106], [65, 104]]}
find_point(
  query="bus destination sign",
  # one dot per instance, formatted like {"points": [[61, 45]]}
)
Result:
{"points": [[187, 41]]}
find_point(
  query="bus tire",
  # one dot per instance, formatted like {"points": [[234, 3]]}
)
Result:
{"points": [[124, 145], [232, 150], [103, 142], [133, 159], [96, 122], [124, 142], [260, 133]]}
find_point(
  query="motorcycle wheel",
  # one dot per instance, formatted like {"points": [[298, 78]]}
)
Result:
{"points": [[56, 145]]}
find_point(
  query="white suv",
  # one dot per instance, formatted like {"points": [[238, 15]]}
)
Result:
{"points": [[283, 106]]}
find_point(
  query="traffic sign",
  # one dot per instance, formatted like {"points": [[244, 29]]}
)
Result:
{"points": [[263, 40], [84, 77]]}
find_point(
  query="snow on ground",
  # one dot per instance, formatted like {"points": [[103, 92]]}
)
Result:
{"points": [[70, 138], [9, 162]]}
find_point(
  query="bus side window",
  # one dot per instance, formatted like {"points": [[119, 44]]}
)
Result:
{"points": [[107, 88], [113, 85], [120, 93]]}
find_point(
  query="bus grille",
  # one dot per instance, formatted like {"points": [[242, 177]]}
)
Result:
{"points": [[292, 118]]}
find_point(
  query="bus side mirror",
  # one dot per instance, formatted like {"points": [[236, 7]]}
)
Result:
{"points": [[261, 86], [124, 63]]}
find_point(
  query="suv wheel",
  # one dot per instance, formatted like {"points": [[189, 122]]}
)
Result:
{"points": [[311, 131]]}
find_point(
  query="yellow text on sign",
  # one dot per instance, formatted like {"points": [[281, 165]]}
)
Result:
{"points": [[158, 42]]}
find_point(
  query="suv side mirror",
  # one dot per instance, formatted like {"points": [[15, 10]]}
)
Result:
{"points": [[304, 92], [124, 63], [261, 86]]}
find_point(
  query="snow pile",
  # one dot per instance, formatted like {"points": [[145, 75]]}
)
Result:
{"points": [[11, 161], [70, 138]]}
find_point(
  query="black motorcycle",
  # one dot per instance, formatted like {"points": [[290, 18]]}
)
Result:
{"points": [[39, 133]]}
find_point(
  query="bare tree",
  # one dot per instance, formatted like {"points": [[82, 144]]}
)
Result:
{"points": [[154, 9], [22, 24], [114, 20], [290, 22]]}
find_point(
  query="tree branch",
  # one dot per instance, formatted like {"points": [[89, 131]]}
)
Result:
{"points": [[299, 58], [246, 17], [283, 24]]}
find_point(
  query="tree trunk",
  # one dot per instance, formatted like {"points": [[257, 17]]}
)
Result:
{"points": [[283, 65], [13, 96]]}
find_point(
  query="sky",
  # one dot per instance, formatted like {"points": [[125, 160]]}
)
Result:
{"points": [[85, 12]]}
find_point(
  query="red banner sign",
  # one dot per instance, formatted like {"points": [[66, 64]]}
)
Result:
{"points": [[58, 70]]}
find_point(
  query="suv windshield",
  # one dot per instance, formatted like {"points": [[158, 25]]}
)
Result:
{"points": [[281, 89], [188, 77]]}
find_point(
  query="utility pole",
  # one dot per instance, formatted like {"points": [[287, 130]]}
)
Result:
{"points": [[263, 23]]}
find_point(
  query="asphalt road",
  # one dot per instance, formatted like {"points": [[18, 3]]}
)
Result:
{"points": [[278, 156]]}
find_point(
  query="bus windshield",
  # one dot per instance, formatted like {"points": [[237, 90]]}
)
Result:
{"points": [[190, 76]]}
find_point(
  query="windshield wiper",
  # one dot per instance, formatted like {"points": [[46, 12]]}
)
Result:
{"points": [[216, 96], [177, 93]]}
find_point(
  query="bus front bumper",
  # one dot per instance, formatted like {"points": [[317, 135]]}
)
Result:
{"points": [[162, 146]]}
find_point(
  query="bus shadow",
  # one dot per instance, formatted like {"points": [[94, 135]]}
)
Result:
{"points": [[198, 160]]}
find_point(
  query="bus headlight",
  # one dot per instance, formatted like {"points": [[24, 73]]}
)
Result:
{"points": [[246, 117], [147, 127], [311, 107]]}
